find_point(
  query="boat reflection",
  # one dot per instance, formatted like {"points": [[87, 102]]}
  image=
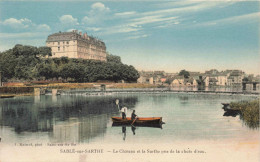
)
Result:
{"points": [[133, 127]]}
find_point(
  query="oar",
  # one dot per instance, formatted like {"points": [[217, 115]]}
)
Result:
{"points": [[134, 120]]}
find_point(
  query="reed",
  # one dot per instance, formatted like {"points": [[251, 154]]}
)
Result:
{"points": [[249, 112]]}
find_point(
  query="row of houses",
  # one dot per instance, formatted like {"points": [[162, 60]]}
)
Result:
{"points": [[209, 78]]}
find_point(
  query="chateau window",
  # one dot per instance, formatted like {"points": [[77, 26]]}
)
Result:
{"points": [[58, 43], [63, 48], [67, 42], [58, 48]]}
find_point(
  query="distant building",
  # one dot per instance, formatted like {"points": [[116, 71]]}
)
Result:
{"points": [[163, 80], [212, 72], [194, 83], [235, 78], [171, 74], [178, 81], [222, 80], [181, 81], [76, 45], [152, 77]]}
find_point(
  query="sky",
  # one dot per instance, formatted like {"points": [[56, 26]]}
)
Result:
{"points": [[150, 35]]}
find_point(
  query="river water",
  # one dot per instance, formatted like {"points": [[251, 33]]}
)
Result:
{"points": [[87, 119]]}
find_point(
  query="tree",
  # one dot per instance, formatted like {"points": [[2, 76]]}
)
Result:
{"points": [[245, 79], [29, 63], [44, 51], [45, 70], [185, 73], [114, 59], [8, 63]]}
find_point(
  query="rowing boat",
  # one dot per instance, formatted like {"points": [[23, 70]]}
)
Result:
{"points": [[139, 120], [151, 125]]}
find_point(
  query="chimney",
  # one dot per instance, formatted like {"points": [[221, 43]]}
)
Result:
{"points": [[85, 35], [80, 33]]}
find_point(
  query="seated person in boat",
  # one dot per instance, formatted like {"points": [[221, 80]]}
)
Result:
{"points": [[133, 116], [124, 111]]}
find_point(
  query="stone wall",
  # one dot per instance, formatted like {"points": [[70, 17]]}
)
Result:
{"points": [[16, 90]]}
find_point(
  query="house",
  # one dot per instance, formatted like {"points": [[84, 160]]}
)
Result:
{"points": [[194, 83], [212, 81], [152, 77], [178, 81], [212, 72], [222, 79], [146, 79], [235, 78], [189, 81], [163, 80]]}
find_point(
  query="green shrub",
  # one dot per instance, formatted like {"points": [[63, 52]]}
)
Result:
{"points": [[249, 112]]}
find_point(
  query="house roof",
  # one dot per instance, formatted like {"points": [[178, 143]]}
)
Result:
{"points": [[179, 77], [68, 36], [213, 80]]}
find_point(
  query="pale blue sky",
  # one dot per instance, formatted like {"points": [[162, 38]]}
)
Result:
{"points": [[170, 36]]}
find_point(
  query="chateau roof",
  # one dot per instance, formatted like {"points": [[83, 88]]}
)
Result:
{"points": [[68, 36]]}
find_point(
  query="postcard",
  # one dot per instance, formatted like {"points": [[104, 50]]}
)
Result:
{"points": [[84, 81]]}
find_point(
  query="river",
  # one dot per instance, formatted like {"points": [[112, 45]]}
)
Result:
{"points": [[86, 120]]}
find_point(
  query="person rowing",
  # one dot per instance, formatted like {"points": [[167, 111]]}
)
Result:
{"points": [[133, 117]]}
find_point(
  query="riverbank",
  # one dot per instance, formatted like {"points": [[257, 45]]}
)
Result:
{"points": [[249, 111], [82, 85], [9, 92], [22, 89]]}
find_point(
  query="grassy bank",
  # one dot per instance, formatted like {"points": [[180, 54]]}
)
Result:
{"points": [[249, 112]]}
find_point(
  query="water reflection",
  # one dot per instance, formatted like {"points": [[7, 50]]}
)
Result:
{"points": [[124, 131], [133, 127], [87, 119], [65, 118]]}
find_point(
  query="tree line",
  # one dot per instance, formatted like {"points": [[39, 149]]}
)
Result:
{"points": [[27, 63]]}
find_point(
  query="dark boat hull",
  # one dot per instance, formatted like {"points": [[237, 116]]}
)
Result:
{"points": [[138, 125], [138, 121], [7, 96]]}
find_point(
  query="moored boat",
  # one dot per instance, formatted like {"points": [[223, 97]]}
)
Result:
{"points": [[7, 96], [139, 120]]}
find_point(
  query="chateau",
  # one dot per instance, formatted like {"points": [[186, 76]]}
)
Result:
{"points": [[76, 45]]}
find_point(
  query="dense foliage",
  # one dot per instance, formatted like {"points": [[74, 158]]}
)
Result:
{"points": [[31, 63], [249, 111], [185, 73]]}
